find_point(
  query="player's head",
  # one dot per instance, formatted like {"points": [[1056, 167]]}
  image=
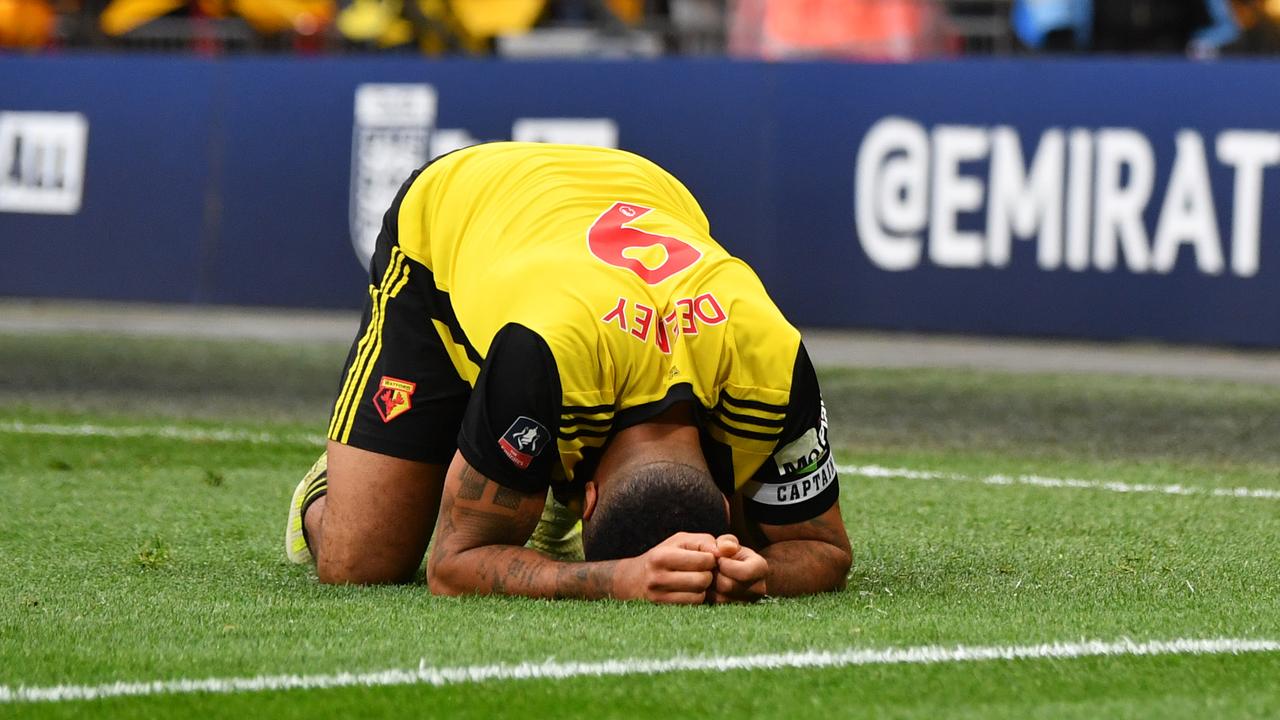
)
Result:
{"points": [[647, 502]]}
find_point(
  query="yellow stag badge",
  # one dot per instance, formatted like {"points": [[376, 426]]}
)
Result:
{"points": [[394, 397]]}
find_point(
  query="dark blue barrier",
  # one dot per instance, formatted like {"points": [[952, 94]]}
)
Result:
{"points": [[1085, 198]]}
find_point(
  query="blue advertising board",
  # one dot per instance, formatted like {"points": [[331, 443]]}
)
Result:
{"points": [[1078, 198]]}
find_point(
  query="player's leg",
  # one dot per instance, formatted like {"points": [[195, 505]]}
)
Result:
{"points": [[374, 521], [393, 432], [369, 507], [368, 516]]}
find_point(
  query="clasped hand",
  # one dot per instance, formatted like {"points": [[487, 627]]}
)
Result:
{"points": [[692, 568]]}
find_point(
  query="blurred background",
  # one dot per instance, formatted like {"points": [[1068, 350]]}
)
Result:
{"points": [[1092, 169], [772, 29]]}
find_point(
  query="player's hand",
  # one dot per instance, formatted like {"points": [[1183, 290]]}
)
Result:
{"points": [[740, 572], [678, 570]]}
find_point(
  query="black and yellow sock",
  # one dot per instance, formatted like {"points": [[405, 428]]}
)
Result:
{"points": [[317, 485]]}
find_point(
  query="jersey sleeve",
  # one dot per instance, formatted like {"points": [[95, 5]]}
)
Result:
{"points": [[508, 431], [798, 482]]}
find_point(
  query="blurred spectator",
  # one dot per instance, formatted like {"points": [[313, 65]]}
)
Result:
{"points": [[770, 29], [123, 16], [1200, 27], [1259, 30], [487, 18], [437, 26], [864, 29], [379, 23], [1053, 25], [478, 22], [269, 18], [273, 17], [1209, 41], [26, 23]]}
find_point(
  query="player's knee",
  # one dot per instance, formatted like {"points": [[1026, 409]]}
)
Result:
{"points": [[333, 569]]}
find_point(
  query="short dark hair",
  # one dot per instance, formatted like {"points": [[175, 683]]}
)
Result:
{"points": [[649, 504]]}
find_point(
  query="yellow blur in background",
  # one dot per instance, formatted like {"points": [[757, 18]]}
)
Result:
{"points": [[26, 23], [32, 24], [268, 17]]}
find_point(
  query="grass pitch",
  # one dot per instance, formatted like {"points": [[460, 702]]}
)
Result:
{"points": [[141, 557]]}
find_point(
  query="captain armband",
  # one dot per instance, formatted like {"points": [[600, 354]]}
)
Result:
{"points": [[804, 471]]}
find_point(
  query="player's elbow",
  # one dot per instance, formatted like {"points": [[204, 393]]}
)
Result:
{"points": [[841, 562], [443, 576]]}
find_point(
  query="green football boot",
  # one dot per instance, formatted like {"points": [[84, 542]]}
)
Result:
{"points": [[559, 532], [312, 487]]}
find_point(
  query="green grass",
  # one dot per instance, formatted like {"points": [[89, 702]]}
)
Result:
{"points": [[144, 558]]}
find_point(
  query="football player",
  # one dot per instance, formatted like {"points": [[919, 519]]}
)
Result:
{"points": [[552, 317]]}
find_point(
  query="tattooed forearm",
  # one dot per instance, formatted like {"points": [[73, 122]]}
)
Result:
{"points": [[509, 570], [586, 580], [478, 545]]}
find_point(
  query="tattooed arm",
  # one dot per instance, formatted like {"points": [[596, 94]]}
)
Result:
{"points": [[479, 550]]}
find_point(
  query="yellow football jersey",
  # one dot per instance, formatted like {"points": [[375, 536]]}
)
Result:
{"points": [[607, 261]]}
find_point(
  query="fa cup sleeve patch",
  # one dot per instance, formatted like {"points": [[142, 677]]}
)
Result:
{"points": [[524, 441], [394, 397]]}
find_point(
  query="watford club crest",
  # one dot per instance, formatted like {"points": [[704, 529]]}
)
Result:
{"points": [[394, 397]]}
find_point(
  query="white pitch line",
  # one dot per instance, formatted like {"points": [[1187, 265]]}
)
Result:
{"points": [[168, 433], [877, 471], [553, 670], [867, 471]]}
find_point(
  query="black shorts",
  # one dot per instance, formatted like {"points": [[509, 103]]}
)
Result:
{"points": [[400, 393]]}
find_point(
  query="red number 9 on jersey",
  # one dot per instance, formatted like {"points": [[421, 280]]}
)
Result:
{"points": [[609, 236]]}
